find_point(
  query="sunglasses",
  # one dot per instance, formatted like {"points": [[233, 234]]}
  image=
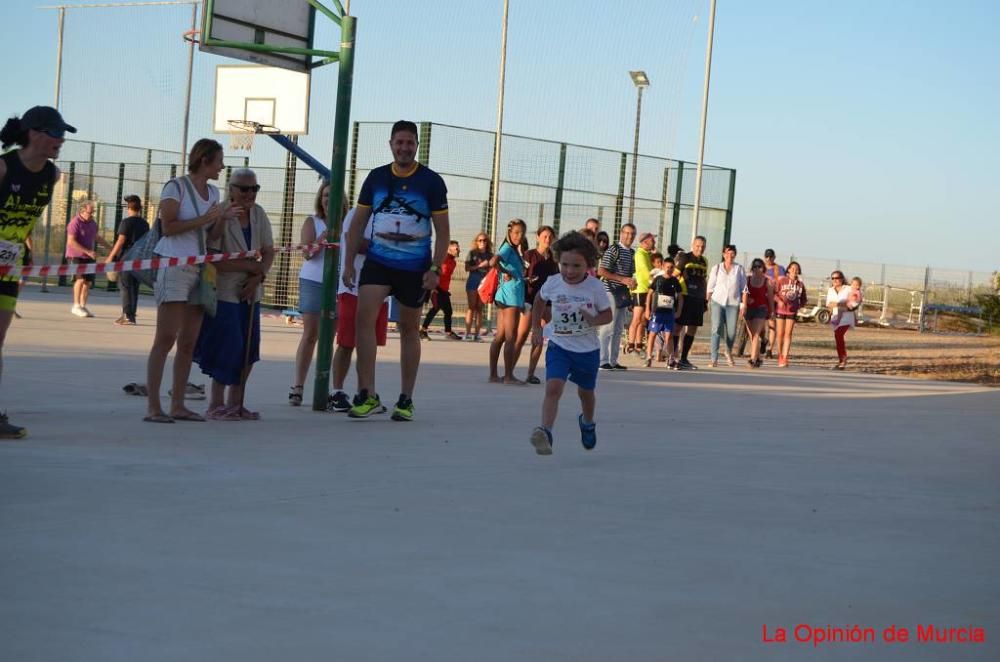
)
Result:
{"points": [[246, 189], [53, 133], [836, 278]]}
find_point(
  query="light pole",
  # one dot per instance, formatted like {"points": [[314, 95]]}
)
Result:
{"points": [[704, 121], [641, 81]]}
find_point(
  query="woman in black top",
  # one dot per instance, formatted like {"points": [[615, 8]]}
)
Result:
{"points": [[539, 264], [476, 265], [27, 176]]}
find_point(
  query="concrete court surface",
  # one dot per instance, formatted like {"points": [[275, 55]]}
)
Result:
{"points": [[717, 502]]}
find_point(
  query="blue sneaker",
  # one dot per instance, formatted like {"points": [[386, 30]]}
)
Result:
{"points": [[588, 434], [541, 439]]}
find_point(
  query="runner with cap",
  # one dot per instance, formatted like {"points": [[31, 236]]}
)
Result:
{"points": [[27, 176]]}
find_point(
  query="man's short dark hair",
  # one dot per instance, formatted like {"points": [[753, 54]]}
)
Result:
{"points": [[404, 125], [133, 202], [702, 238], [769, 252]]}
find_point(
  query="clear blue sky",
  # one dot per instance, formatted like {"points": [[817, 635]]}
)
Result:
{"points": [[859, 130]]}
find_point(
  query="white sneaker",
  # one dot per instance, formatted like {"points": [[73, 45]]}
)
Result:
{"points": [[78, 311], [86, 313]]}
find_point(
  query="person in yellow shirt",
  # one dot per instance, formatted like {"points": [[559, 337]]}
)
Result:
{"points": [[643, 266]]}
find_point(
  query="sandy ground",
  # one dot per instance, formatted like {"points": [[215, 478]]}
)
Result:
{"points": [[717, 502]]}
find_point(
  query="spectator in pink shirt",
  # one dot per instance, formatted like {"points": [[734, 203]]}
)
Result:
{"points": [[81, 240]]}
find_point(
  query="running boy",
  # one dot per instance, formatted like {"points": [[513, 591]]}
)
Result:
{"points": [[666, 295], [579, 305]]}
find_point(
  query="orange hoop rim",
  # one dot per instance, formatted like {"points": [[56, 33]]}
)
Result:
{"points": [[191, 36]]}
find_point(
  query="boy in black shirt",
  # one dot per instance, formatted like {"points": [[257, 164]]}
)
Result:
{"points": [[130, 230], [666, 295]]}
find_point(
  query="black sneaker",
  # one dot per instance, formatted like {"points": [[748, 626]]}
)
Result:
{"points": [[10, 431], [338, 402], [607, 366], [684, 364], [618, 366], [423, 334]]}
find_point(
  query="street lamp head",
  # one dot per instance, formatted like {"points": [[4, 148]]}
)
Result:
{"points": [[639, 78]]}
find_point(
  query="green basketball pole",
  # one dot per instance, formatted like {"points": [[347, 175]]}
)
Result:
{"points": [[338, 167]]}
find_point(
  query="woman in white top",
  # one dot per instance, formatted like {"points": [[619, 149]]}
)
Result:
{"points": [[842, 300], [189, 209], [726, 284]]}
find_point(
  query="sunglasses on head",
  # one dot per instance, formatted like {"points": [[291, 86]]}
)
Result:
{"points": [[246, 189]]}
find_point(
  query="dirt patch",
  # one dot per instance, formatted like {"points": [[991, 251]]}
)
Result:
{"points": [[959, 358]]}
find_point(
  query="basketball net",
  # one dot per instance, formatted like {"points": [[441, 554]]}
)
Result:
{"points": [[242, 137]]}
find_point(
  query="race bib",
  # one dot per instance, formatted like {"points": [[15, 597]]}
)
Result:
{"points": [[567, 318], [10, 253], [664, 301]]}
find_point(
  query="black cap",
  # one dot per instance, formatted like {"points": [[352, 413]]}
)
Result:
{"points": [[40, 118], [133, 200], [769, 252]]}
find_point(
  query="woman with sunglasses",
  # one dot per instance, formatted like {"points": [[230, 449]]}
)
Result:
{"points": [[477, 263], [758, 304], [838, 300], [27, 176], [509, 301]]}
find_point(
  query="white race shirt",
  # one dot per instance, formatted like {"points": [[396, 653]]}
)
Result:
{"points": [[568, 328], [185, 243], [312, 269]]}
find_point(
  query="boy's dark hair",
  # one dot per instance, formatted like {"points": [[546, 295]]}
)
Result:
{"points": [[673, 250], [404, 125], [578, 242], [656, 256], [669, 260], [453, 243]]}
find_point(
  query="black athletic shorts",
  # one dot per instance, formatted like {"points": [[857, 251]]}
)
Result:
{"points": [[693, 313], [90, 278], [639, 299], [406, 286]]}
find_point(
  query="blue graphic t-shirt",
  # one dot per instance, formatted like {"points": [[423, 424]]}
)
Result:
{"points": [[402, 207]]}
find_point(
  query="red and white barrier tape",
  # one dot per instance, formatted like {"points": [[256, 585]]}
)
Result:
{"points": [[140, 265]]}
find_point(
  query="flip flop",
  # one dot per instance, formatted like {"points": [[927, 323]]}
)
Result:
{"points": [[158, 418], [190, 416]]}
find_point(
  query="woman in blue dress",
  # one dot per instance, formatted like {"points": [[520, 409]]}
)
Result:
{"points": [[509, 300]]}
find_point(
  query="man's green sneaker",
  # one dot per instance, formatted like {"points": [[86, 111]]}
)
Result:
{"points": [[403, 410], [366, 405], [9, 430]]}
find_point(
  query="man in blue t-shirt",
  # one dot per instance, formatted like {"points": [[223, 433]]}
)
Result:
{"points": [[407, 204]]}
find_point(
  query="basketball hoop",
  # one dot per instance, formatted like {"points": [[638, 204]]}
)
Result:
{"points": [[191, 36], [242, 138]]}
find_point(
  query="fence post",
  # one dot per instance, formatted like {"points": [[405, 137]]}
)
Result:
{"points": [[923, 302], [281, 283], [424, 147], [600, 213], [353, 181], [90, 173], [968, 292], [69, 214], [149, 170], [560, 183], [660, 238], [541, 214], [620, 200], [486, 217], [173, 170], [676, 220], [729, 207], [112, 286], [884, 319], [48, 235]]}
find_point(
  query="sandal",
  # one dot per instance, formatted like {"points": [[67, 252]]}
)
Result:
{"points": [[244, 414], [295, 396], [533, 380], [220, 413], [158, 418]]}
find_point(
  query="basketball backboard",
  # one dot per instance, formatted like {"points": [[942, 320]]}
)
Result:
{"points": [[270, 96], [272, 23]]}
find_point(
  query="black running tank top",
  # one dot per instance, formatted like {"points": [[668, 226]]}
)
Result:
{"points": [[23, 196]]}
